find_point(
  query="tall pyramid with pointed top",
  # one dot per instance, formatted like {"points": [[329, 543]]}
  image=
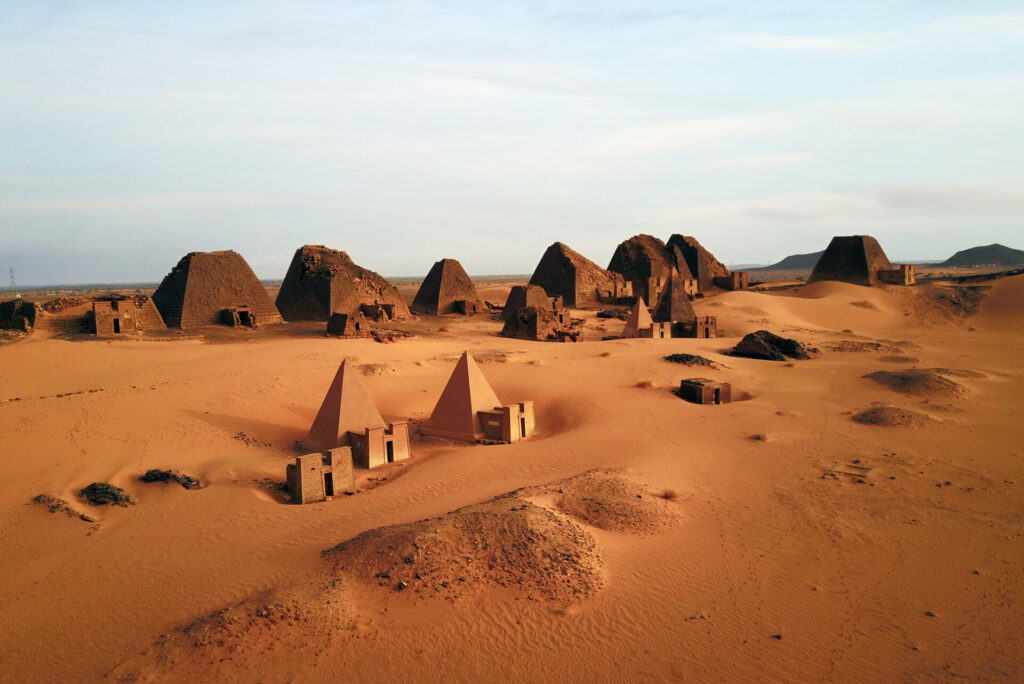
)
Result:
{"points": [[346, 408], [203, 284], [674, 307], [456, 415], [446, 289], [639, 320], [564, 272]]}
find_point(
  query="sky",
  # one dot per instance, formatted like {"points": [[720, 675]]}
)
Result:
{"points": [[404, 132]]}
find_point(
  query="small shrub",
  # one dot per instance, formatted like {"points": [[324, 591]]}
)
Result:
{"points": [[668, 494], [645, 384], [606, 354], [760, 437]]}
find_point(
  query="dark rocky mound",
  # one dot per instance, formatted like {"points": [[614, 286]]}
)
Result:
{"points": [[620, 314], [156, 475], [17, 314], [919, 383], [891, 416], [505, 542], [690, 360], [989, 255], [762, 344], [103, 493], [57, 505]]}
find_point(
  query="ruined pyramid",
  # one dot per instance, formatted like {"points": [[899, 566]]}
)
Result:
{"points": [[455, 415], [346, 408], [321, 281], [674, 307], [447, 289], [643, 257], [525, 295], [702, 264], [565, 273], [639, 319], [203, 284], [853, 259]]}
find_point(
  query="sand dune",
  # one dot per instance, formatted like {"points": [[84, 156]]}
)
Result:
{"points": [[757, 542]]}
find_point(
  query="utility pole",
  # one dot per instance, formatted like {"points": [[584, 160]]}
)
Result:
{"points": [[14, 285]]}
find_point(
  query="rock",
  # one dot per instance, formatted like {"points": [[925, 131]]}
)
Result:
{"points": [[763, 344], [103, 493], [157, 475]]}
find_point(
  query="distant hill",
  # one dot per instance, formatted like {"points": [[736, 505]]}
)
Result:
{"points": [[794, 262], [989, 255]]}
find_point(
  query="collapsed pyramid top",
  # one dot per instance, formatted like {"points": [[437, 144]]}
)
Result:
{"points": [[644, 256], [456, 413], [639, 319], [203, 284], [566, 273], [347, 407], [525, 295], [445, 284], [853, 259], [702, 264], [321, 281]]}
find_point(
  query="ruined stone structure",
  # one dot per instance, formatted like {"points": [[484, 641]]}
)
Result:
{"points": [[565, 273], [859, 259], [321, 281], [705, 391], [447, 289], [705, 268], [204, 286], [542, 325], [529, 295], [17, 314], [318, 477], [349, 418], [647, 263], [469, 410], [353, 324], [674, 307], [640, 324]]}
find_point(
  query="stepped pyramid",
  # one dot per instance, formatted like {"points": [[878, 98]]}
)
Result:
{"points": [[321, 281], [674, 307], [853, 259], [203, 284], [346, 408], [456, 415], [446, 289], [639, 320]]}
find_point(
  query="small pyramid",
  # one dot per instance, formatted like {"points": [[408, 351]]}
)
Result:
{"points": [[639, 319], [467, 392], [674, 304], [346, 408], [446, 284]]}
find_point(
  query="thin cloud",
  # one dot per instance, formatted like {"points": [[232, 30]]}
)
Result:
{"points": [[758, 160]]}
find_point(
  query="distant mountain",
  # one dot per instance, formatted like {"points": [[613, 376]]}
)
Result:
{"points": [[989, 255], [794, 262]]}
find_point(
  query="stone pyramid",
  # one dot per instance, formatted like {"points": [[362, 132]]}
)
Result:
{"points": [[639, 319], [525, 295], [565, 273], [203, 284], [455, 415], [642, 257], [445, 284], [321, 281], [347, 407], [674, 305], [702, 264], [853, 259]]}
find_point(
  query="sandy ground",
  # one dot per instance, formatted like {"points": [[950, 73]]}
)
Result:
{"points": [[758, 565]]}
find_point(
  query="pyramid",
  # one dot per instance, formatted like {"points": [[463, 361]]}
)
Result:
{"points": [[639, 319], [525, 295], [203, 284], [445, 284], [642, 257], [455, 415], [347, 407], [855, 259], [321, 281], [565, 273], [674, 306], [702, 264]]}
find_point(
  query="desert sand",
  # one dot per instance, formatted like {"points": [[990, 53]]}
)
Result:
{"points": [[636, 537]]}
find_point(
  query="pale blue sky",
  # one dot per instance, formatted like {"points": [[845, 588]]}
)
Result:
{"points": [[403, 132]]}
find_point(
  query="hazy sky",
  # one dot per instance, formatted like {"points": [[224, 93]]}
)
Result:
{"points": [[403, 132]]}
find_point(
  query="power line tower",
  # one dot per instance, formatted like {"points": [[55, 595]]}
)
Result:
{"points": [[14, 286]]}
